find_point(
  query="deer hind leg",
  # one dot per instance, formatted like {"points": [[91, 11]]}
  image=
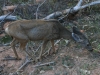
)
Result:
{"points": [[53, 48], [52, 43], [23, 45], [13, 44], [42, 49]]}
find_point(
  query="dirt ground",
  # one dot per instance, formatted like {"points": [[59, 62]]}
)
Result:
{"points": [[69, 60]]}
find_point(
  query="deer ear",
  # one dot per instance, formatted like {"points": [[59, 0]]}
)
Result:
{"points": [[76, 37], [76, 31]]}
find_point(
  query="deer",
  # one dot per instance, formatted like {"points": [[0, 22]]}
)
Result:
{"points": [[23, 31]]}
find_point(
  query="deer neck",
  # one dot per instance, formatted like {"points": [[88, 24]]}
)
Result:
{"points": [[66, 34]]}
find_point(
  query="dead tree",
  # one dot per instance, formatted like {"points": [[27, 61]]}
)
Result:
{"points": [[71, 12]]}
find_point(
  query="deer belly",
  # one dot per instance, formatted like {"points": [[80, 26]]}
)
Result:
{"points": [[19, 35], [37, 34]]}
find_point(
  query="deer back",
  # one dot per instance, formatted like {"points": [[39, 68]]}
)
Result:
{"points": [[34, 29]]}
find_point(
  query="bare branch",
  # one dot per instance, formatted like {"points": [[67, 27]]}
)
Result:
{"points": [[27, 61], [78, 5], [92, 3], [57, 14], [44, 64], [38, 47], [39, 7], [7, 17], [70, 11]]}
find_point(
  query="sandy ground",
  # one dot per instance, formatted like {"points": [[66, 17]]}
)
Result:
{"points": [[76, 62]]}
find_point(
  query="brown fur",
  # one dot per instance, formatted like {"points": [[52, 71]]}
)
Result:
{"points": [[24, 30]]}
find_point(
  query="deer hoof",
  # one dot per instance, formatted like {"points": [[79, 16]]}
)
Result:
{"points": [[11, 58]]}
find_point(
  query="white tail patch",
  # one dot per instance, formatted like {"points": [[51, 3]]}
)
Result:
{"points": [[7, 31]]}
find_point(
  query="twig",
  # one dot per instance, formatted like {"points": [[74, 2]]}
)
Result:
{"points": [[65, 16], [65, 65], [44, 64], [39, 7], [26, 51], [22, 66], [8, 58], [38, 47], [15, 9], [8, 15], [89, 4]]}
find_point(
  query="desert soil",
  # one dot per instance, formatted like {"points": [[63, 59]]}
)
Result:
{"points": [[69, 60]]}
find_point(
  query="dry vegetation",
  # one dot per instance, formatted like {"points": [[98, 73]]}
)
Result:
{"points": [[69, 60]]}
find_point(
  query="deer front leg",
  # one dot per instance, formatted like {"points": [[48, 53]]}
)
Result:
{"points": [[13, 44], [42, 49], [22, 45], [53, 48]]}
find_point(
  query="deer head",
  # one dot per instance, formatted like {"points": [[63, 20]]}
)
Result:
{"points": [[81, 38]]}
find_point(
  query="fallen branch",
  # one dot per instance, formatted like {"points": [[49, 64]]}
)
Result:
{"points": [[8, 58], [26, 63], [44, 64], [72, 11], [38, 48], [90, 4], [9, 16]]}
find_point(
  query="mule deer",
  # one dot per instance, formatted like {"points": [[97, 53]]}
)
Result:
{"points": [[47, 30]]}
